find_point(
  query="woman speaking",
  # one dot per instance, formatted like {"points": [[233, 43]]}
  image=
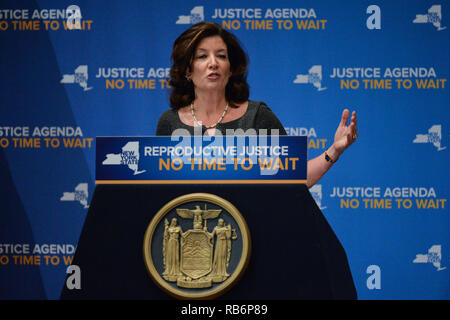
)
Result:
{"points": [[210, 92]]}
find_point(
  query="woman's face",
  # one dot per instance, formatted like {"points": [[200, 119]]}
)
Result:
{"points": [[210, 68]]}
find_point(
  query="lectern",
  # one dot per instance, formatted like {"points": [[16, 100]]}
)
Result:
{"points": [[294, 253]]}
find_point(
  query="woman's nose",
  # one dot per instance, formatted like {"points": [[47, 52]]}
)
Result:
{"points": [[212, 62]]}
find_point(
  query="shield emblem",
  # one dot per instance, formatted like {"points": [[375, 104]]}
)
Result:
{"points": [[200, 262], [196, 254]]}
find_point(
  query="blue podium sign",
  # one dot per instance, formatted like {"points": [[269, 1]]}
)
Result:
{"points": [[197, 159]]}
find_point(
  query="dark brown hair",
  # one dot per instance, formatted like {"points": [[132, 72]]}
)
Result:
{"points": [[182, 94]]}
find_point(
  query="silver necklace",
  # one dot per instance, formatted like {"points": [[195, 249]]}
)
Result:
{"points": [[213, 125]]}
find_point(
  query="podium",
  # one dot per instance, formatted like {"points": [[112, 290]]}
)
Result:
{"points": [[294, 252]]}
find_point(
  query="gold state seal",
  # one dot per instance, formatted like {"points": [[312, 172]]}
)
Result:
{"points": [[197, 246]]}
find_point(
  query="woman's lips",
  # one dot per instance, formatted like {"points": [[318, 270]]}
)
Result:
{"points": [[213, 76]]}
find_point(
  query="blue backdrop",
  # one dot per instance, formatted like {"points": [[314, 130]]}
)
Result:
{"points": [[63, 82]]}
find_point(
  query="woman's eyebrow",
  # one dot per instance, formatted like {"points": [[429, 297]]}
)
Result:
{"points": [[219, 50]]}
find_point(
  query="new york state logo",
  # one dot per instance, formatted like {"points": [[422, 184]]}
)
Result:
{"points": [[197, 246]]}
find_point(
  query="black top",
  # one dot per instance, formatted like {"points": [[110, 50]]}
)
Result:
{"points": [[258, 116]]}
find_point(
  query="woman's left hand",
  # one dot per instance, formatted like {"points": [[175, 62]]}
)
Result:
{"points": [[345, 134]]}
